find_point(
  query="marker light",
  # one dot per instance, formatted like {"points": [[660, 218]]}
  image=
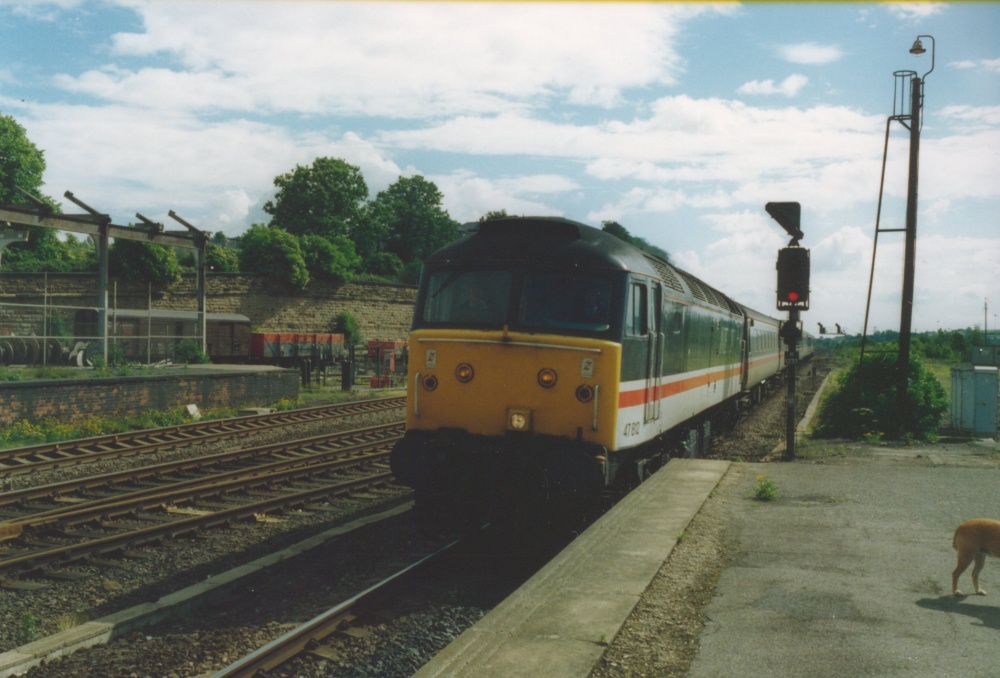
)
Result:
{"points": [[430, 382], [547, 377], [519, 419], [464, 373]]}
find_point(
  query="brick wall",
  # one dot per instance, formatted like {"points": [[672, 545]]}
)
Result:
{"points": [[71, 399], [383, 310]]}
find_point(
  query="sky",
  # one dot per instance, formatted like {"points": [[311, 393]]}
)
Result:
{"points": [[679, 121]]}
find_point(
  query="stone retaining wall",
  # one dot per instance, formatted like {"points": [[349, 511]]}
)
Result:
{"points": [[75, 399], [383, 310]]}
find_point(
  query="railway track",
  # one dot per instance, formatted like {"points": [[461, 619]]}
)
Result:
{"points": [[49, 527], [46, 456], [308, 638]]}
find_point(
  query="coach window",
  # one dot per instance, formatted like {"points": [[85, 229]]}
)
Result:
{"points": [[636, 320]]}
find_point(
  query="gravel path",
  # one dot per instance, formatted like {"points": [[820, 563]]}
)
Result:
{"points": [[660, 638]]}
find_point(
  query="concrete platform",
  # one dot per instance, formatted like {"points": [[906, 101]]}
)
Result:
{"points": [[558, 623]]}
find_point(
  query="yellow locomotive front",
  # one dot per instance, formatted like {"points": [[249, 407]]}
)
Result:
{"points": [[498, 383], [514, 365]]}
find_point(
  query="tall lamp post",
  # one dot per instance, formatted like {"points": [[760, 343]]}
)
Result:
{"points": [[910, 248]]}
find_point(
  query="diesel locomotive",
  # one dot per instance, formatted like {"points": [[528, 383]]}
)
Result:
{"points": [[546, 356]]}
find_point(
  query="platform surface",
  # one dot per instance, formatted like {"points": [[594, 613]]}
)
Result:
{"points": [[558, 623]]}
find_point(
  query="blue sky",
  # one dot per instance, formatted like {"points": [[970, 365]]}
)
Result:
{"points": [[679, 121]]}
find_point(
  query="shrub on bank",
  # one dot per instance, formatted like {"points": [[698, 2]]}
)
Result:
{"points": [[866, 403]]}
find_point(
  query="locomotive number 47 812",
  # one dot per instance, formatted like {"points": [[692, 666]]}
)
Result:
{"points": [[631, 429]]}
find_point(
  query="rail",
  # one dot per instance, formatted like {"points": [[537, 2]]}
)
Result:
{"points": [[268, 486], [46, 456], [309, 635]]}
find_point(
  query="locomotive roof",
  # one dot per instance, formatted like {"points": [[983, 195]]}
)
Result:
{"points": [[546, 239]]}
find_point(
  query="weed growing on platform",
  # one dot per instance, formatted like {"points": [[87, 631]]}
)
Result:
{"points": [[29, 630], [766, 489]]}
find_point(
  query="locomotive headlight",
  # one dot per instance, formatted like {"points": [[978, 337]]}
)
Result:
{"points": [[547, 377], [430, 382], [464, 373], [518, 419]]}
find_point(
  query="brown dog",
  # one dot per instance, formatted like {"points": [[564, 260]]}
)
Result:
{"points": [[974, 540]]}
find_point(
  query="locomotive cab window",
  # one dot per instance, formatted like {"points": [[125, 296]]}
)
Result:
{"points": [[467, 297], [565, 301], [636, 322]]}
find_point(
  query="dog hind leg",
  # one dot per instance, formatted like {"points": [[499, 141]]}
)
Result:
{"points": [[980, 561], [964, 559]]}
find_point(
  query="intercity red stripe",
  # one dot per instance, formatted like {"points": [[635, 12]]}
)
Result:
{"points": [[638, 396]]}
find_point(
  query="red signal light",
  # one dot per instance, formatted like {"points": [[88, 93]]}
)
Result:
{"points": [[793, 278]]}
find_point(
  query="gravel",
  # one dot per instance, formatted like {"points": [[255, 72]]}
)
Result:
{"points": [[659, 639], [29, 614]]}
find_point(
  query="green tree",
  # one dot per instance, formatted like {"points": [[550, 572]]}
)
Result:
{"points": [[80, 253], [22, 165], [269, 250], [222, 259], [384, 264], [324, 199], [494, 215], [408, 220], [620, 232], [330, 259], [139, 261]]}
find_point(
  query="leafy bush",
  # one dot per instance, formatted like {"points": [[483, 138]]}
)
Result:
{"points": [[276, 253], [222, 259], [329, 258], [383, 264], [143, 262], [866, 404], [188, 352], [25, 432], [348, 325]]}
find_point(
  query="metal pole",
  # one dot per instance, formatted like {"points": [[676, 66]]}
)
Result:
{"points": [[102, 292], [791, 365], [909, 256]]}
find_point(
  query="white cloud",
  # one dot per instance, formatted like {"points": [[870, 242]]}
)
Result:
{"points": [[973, 117], [214, 174], [418, 59], [810, 53], [989, 65], [961, 166], [913, 11], [789, 87], [468, 196]]}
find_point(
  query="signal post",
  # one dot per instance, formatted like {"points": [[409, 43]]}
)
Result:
{"points": [[793, 296]]}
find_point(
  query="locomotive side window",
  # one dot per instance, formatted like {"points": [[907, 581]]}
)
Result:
{"points": [[636, 322], [467, 297], [567, 301]]}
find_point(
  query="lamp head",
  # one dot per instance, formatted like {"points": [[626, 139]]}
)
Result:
{"points": [[918, 47]]}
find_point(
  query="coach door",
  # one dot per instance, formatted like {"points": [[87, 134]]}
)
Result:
{"points": [[654, 358]]}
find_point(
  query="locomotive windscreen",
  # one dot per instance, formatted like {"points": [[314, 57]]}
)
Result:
{"points": [[479, 297], [543, 300]]}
